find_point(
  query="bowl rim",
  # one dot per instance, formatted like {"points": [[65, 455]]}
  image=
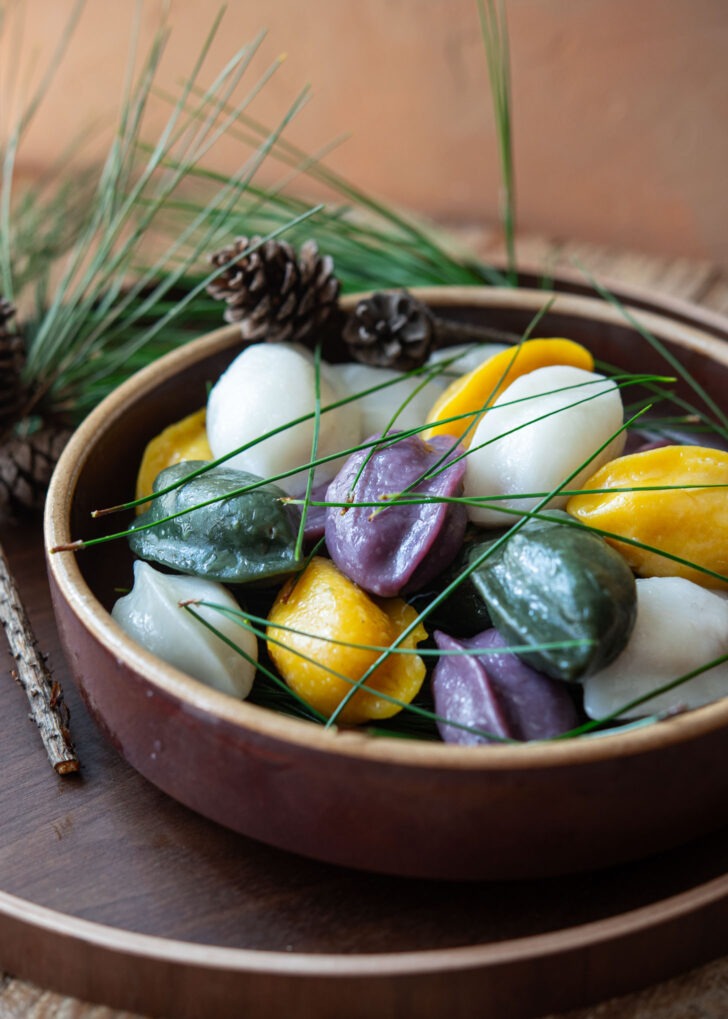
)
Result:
{"points": [[202, 700]]}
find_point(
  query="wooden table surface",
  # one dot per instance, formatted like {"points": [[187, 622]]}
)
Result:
{"points": [[702, 993]]}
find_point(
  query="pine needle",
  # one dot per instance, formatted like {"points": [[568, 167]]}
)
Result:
{"points": [[109, 309], [494, 29]]}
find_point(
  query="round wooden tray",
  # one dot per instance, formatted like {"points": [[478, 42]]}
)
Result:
{"points": [[113, 892]]}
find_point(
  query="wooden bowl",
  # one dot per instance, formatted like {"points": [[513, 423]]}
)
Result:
{"points": [[380, 804]]}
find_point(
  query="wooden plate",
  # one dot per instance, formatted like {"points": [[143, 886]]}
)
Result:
{"points": [[113, 892]]}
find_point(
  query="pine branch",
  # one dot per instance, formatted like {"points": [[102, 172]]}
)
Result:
{"points": [[47, 707]]}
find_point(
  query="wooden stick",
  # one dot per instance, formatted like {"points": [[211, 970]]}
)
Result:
{"points": [[47, 707]]}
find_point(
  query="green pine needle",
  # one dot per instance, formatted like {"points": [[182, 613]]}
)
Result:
{"points": [[494, 29], [77, 238]]}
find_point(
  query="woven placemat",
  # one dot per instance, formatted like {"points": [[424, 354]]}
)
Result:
{"points": [[700, 994]]}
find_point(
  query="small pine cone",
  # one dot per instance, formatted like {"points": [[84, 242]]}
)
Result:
{"points": [[26, 465], [273, 294], [390, 330], [12, 359]]}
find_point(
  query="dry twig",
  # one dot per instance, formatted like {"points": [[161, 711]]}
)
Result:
{"points": [[47, 707]]}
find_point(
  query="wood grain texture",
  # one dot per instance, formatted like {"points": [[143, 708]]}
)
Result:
{"points": [[259, 898]]}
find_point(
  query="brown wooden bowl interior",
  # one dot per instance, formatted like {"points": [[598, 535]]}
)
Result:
{"points": [[389, 805]]}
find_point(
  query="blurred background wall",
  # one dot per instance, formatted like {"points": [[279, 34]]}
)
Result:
{"points": [[620, 106]]}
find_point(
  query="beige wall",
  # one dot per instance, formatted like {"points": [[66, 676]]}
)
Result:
{"points": [[621, 106]]}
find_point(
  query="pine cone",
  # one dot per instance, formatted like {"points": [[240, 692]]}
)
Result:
{"points": [[26, 465], [273, 294], [390, 330], [12, 359]]}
